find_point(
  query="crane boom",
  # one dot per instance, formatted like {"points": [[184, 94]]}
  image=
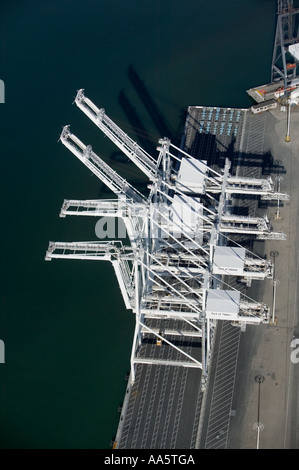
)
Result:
{"points": [[104, 172], [131, 149]]}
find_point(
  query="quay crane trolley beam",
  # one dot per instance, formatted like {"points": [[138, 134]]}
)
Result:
{"points": [[175, 265]]}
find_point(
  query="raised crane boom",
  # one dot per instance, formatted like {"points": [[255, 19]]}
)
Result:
{"points": [[104, 172], [131, 149]]}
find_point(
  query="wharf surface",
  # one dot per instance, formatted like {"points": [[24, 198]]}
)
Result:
{"points": [[265, 92], [166, 408], [266, 350]]}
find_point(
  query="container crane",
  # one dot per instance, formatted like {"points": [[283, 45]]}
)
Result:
{"points": [[172, 269]]}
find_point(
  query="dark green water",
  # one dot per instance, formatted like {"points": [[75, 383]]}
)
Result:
{"points": [[67, 334]]}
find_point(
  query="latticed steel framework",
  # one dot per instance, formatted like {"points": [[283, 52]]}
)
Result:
{"points": [[171, 273], [287, 33]]}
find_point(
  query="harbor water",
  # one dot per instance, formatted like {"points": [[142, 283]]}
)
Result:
{"points": [[66, 331]]}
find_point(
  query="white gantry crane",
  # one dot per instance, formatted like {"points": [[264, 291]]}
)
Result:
{"points": [[172, 274]]}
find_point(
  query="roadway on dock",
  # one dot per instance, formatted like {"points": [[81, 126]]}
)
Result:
{"points": [[265, 351]]}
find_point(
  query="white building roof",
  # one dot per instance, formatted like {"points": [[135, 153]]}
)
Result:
{"points": [[223, 302], [228, 260], [191, 176]]}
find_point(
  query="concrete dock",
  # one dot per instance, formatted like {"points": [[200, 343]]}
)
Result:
{"points": [[266, 350], [265, 92], [165, 408]]}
